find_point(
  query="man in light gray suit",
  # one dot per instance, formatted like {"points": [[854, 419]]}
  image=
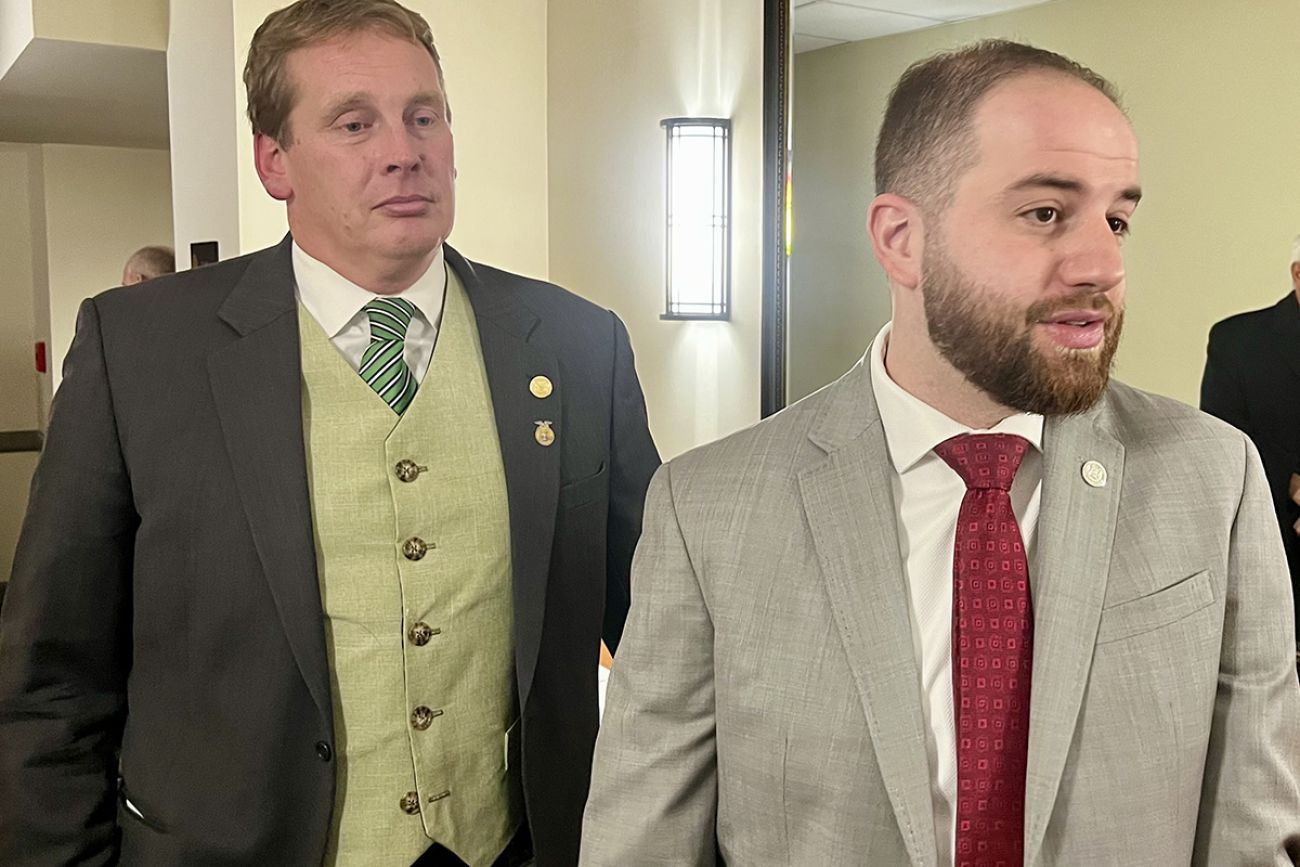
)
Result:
{"points": [[973, 603]]}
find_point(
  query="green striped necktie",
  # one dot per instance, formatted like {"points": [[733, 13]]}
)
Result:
{"points": [[383, 364]]}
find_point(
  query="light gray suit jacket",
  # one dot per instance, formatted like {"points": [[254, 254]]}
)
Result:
{"points": [[765, 704]]}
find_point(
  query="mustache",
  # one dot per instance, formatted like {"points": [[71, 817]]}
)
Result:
{"points": [[1048, 307]]}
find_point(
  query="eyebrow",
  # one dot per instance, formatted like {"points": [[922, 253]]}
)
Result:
{"points": [[359, 99], [345, 103], [1068, 185]]}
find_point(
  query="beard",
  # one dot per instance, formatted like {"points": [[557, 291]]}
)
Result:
{"points": [[990, 341]]}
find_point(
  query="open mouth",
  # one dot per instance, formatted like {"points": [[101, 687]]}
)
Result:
{"points": [[1076, 329]]}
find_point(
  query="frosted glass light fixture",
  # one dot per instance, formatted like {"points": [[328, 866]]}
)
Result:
{"points": [[698, 237]]}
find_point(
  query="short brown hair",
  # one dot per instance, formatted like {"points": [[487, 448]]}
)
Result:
{"points": [[308, 22], [925, 139]]}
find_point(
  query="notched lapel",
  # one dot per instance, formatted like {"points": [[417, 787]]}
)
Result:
{"points": [[532, 469], [257, 388], [1076, 533], [847, 498]]}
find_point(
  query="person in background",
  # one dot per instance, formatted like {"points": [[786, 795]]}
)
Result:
{"points": [[148, 263], [325, 538], [1252, 381], [974, 603]]}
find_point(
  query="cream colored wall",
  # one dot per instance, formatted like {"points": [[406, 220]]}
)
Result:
{"points": [[101, 205], [137, 23], [20, 223], [17, 27], [204, 127], [1212, 89], [616, 70], [494, 59], [19, 387]]}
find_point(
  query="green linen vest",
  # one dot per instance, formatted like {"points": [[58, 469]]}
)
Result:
{"points": [[413, 554]]}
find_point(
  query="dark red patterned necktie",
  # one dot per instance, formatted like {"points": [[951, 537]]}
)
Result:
{"points": [[992, 649]]}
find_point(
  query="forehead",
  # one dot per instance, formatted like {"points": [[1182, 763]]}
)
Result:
{"points": [[1049, 122], [366, 61]]}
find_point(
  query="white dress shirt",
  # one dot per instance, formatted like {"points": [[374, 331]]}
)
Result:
{"points": [[335, 303], [927, 497]]}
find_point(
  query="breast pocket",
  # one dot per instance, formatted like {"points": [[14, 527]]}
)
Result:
{"points": [[1156, 610], [584, 490]]}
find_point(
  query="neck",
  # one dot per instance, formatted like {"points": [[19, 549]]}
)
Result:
{"points": [[380, 276], [916, 366]]}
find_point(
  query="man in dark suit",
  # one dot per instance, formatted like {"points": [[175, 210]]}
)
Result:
{"points": [[295, 588], [1252, 381]]}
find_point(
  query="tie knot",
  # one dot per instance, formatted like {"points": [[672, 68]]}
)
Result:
{"points": [[389, 318], [984, 460]]}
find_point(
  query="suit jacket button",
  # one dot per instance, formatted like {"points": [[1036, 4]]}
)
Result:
{"points": [[422, 717], [410, 803], [408, 470], [414, 548], [323, 750], [421, 633]]}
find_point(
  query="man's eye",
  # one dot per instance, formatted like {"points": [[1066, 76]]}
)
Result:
{"points": [[424, 120], [354, 126], [1044, 215], [1118, 225]]}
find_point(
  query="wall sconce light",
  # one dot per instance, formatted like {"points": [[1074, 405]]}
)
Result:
{"points": [[698, 261]]}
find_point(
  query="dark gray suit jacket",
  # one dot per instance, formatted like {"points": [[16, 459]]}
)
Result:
{"points": [[164, 600]]}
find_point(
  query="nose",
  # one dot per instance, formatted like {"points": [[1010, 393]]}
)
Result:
{"points": [[402, 151], [1094, 259]]}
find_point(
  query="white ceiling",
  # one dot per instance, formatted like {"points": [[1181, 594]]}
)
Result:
{"points": [[822, 23], [85, 93]]}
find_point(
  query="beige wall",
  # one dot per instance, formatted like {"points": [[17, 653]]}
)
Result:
{"points": [[17, 27], [21, 221], [137, 23], [101, 205], [1212, 90], [494, 59], [19, 224], [616, 70]]}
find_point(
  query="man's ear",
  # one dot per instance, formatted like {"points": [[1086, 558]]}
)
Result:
{"points": [[1295, 274], [897, 238], [269, 158]]}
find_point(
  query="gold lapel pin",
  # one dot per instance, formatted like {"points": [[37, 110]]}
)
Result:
{"points": [[541, 387], [544, 434]]}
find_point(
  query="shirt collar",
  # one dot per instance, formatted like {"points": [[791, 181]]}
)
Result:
{"points": [[913, 428], [334, 301]]}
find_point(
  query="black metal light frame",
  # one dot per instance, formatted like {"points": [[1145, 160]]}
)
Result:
{"points": [[719, 304]]}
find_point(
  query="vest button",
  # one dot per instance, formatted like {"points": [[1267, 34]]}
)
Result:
{"points": [[422, 717], [414, 548], [323, 751], [421, 633], [410, 803], [408, 470]]}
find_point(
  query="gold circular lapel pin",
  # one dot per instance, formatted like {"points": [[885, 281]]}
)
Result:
{"points": [[541, 387], [544, 434]]}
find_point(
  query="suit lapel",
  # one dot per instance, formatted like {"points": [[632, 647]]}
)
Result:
{"points": [[257, 387], [532, 470], [847, 497], [1076, 531]]}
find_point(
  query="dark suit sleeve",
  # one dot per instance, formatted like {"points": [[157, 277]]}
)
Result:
{"points": [[1223, 394], [64, 635], [1221, 391], [633, 460]]}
